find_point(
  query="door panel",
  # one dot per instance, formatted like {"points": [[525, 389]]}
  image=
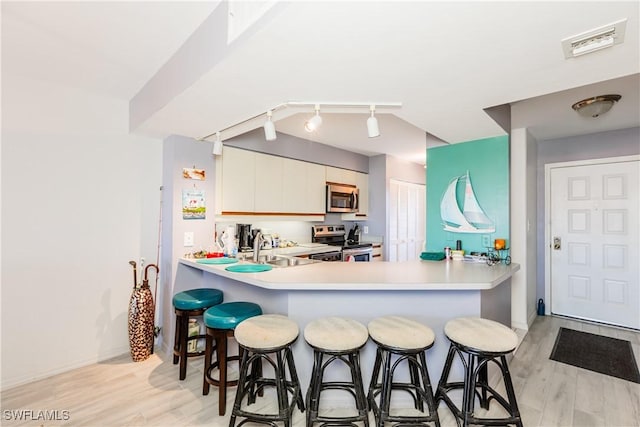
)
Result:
{"points": [[406, 220], [595, 234]]}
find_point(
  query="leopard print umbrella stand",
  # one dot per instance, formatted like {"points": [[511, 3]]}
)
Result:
{"points": [[141, 319]]}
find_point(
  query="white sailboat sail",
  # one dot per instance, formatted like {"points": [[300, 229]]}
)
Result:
{"points": [[450, 213], [472, 210], [471, 219]]}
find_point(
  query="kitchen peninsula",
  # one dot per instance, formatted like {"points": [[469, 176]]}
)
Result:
{"points": [[431, 292]]}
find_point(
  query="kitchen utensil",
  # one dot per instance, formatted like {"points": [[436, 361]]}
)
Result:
{"points": [[245, 240]]}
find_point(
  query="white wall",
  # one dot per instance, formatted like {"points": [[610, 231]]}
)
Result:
{"points": [[80, 199], [523, 231]]}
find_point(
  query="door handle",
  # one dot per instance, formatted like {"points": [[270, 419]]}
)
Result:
{"points": [[557, 243]]}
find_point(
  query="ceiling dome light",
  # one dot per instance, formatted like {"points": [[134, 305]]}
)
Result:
{"points": [[372, 124], [217, 145], [314, 122], [596, 106], [269, 128]]}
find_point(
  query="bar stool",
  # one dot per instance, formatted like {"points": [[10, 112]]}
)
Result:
{"points": [[221, 321], [478, 342], [404, 340], [187, 304], [336, 338], [260, 337]]}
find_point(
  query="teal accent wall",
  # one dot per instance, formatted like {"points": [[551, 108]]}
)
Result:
{"points": [[487, 161]]}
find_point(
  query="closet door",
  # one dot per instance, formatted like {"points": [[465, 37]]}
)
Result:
{"points": [[406, 220]]}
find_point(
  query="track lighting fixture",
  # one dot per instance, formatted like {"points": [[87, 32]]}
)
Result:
{"points": [[372, 124], [314, 122], [310, 125], [217, 145], [269, 128]]}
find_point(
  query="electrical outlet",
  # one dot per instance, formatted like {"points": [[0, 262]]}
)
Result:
{"points": [[366, 229], [188, 238], [486, 241]]}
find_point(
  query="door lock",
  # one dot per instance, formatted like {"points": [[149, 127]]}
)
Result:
{"points": [[556, 243]]}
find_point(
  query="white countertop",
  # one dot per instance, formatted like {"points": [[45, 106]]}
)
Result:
{"points": [[410, 275]]}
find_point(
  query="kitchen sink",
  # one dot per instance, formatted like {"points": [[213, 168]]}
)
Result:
{"points": [[285, 261]]}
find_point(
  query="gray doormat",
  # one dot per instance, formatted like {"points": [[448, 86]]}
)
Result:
{"points": [[606, 355]]}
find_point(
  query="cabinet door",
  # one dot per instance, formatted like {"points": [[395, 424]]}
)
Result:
{"points": [[238, 180], [268, 183], [304, 187], [341, 176], [294, 186], [362, 181], [316, 189]]}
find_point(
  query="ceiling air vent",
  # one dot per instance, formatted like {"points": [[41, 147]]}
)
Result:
{"points": [[593, 40]]}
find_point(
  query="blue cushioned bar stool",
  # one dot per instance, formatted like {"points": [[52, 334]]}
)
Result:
{"points": [[336, 339], [266, 340], [401, 342], [187, 304], [478, 342], [221, 320]]}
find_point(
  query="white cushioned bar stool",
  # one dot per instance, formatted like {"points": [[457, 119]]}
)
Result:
{"points": [[267, 338], [478, 342], [401, 342], [333, 339]]}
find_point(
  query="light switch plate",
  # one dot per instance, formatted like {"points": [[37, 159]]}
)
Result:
{"points": [[188, 238], [486, 241]]}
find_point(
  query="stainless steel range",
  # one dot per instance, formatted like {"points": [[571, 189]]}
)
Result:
{"points": [[335, 235]]}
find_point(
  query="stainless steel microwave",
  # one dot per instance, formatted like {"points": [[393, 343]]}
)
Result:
{"points": [[342, 198]]}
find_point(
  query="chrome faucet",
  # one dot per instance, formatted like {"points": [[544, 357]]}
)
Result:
{"points": [[257, 243]]}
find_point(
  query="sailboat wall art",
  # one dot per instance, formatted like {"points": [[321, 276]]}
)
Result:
{"points": [[468, 218]]}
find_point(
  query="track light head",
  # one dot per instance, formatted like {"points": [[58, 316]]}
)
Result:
{"points": [[217, 145], [372, 124], [314, 122], [269, 128]]}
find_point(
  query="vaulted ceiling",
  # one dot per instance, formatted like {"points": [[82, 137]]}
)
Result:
{"points": [[194, 68]]}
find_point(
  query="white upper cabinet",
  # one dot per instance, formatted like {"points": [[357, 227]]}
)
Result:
{"points": [[362, 182], [304, 187], [256, 183], [269, 183], [238, 180], [341, 176]]}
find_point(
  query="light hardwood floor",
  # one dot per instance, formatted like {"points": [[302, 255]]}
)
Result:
{"points": [[119, 392]]}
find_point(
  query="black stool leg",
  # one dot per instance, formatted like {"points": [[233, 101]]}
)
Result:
{"points": [[428, 389], [176, 341], [184, 325], [244, 360], [313, 393], [361, 400], [221, 354], [208, 353], [373, 384], [414, 375], [511, 394], [483, 381], [295, 382]]}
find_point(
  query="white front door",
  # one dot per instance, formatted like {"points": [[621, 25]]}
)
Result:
{"points": [[594, 241]]}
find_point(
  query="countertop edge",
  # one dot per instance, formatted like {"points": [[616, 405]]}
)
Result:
{"points": [[361, 277]]}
